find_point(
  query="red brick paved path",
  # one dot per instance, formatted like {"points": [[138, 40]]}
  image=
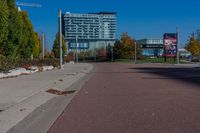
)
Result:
{"points": [[118, 99]]}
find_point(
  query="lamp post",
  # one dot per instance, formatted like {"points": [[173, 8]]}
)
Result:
{"points": [[42, 46], [76, 48], [177, 47], [135, 52], [60, 35], [112, 53]]}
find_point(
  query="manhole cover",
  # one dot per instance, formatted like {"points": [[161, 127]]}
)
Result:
{"points": [[58, 92]]}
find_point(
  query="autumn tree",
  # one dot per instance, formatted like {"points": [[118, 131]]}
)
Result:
{"points": [[26, 45], [16, 31], [125, 47], [56, 48], [193, 46], [37, 46], [118, 49], [101, 53]]}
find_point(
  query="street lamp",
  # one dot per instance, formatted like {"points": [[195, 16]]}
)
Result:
{"points": [[77, 48], [42, 46], [60, 35], [112, 53], [135, 52], [177, 52]]}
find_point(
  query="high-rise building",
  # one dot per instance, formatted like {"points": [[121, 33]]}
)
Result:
{"points": [[89, 31]]}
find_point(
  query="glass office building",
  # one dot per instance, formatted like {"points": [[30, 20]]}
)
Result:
{"points": [[152, 47], [89, 31]]}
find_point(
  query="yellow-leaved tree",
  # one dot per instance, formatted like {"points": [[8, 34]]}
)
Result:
{"points": [[125, 47], [37, 46], [55, 49], [193, 46]]}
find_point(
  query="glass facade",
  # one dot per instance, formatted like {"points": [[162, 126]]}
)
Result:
{"points": [[152, 52], [151, 47], [92, 28]]}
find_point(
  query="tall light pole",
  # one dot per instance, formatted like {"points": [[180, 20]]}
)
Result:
{"points": [[135, 52], [42, 46], [177, 46], [76, 48], [112, 53], [60, 35]]}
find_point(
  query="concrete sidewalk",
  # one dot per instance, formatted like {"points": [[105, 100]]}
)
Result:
{"points": [[22, 95]]}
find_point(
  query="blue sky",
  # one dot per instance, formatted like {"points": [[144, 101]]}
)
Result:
{"points": [[140, 18]]}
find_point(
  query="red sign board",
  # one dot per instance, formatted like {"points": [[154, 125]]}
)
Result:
{"points": [[170, 44]]}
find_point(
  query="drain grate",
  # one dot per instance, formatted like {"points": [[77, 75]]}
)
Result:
{"points": [[58, 92]]}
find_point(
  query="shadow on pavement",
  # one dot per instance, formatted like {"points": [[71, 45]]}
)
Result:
{"points": [[191, 75]]}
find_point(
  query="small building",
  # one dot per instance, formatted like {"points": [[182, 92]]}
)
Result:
{"points": [[183, 53], [151, 47]]}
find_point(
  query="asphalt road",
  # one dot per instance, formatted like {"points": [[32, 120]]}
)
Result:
{"points": [[128, 98]]}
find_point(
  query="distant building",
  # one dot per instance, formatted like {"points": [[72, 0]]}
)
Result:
{"points": [[151, 47], [184, 53], [91, 31]]}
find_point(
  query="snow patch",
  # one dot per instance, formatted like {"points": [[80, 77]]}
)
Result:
{"points": [[47, 68], [21, 71]]}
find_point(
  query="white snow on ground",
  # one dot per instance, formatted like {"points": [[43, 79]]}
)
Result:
{"points": [[71, 62], [34, 69], [47, 68], [19, 71], [2, 75]]}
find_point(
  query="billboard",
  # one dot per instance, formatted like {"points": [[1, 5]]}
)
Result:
{"points": [[170, 44]]}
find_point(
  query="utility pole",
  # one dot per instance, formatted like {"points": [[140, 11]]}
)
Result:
{"points": [[135, 52], [177, 46], [76, 48], [60, 35], [112, 53], [94, 52], [43, 46]]}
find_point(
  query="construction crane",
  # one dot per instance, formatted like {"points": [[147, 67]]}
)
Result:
{"points": [[27, 4]]}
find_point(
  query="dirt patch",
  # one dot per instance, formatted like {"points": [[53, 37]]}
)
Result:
{"points": [[70, 74], [61, 80], [23, 109], [58, 92]]}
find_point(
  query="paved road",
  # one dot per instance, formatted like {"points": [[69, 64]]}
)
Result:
{"points": [[128, 98]]}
